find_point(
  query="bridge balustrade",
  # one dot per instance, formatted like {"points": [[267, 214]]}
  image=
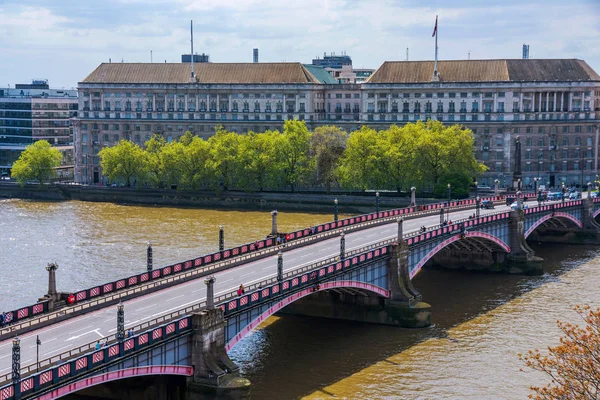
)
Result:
{"points": [[145, 277], [91, 360]]}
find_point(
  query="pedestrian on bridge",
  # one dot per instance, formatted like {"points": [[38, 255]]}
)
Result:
{"points": [[2, 319], [98, 345], [241, 290]]}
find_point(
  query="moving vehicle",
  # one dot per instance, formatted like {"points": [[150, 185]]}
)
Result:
{"points": [[514, 205], [574, 195], [487, 204]]}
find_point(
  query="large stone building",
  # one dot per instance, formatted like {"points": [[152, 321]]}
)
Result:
{"points": [[31, 112], [553, 105]]}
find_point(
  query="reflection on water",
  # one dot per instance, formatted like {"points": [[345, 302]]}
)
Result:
{"points": [[481, 320], [98, 242]]}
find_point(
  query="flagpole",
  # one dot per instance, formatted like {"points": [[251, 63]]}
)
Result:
{"points": [[435, 71]]}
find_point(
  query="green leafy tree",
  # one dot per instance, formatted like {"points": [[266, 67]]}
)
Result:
{"points": [[196, 170], [125, 162], [327, 145], [37, 162], [292, 150], [361, 160], [258, 160], [397, 148], [154, 147], [223, 161]]}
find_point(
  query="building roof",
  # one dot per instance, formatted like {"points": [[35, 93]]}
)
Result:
{"points": [[320, 73], [216, 73], [519, 70]]}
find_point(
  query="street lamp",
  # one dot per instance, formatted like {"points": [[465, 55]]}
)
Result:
{"points": [[16, 361], [476, 189], [335, 210], [496, 183], [449, 193], [377, 202], [477, 206], [149, 257], [280, 266], [221, 238], [563, 192], [342, 246], [535, 184], [38, 343], [120, 322], [518, 184]]}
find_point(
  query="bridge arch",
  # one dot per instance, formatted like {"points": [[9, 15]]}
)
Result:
{"points": [[90, 381], [475, 236], [547, 217], [596, 213], [362, 286]]}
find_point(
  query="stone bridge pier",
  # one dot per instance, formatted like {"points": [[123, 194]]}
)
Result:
{"points": [[215, 375]]}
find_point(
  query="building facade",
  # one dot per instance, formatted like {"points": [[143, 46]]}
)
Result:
{"points": [[35, 112], [553, 105]]}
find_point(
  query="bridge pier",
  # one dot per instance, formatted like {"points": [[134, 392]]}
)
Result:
{"points": [[214, 372], [522, 258]]}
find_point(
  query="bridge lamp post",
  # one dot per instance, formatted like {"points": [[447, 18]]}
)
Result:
{"points": [[280, 266], [477, 206], [535, 184], [16, 362], [519, 184], [221, 238], [342, 246], [496, 183], [335, 210], [563, 193], [38, 343], [476, 189], [377, 202], [589, 190], [149, 257], [519, 200], [442, 216], [120, 322], [449, 194]]}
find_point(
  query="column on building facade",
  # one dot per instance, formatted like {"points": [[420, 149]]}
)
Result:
{"points": [[547, 101], [521, 104], [570, 104], [185, 101], [554, 102], [562, 101], [153, 102], [540, 103], [532, 101], [229, 105]]}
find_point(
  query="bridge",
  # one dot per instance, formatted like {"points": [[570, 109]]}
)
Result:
{"points": [[359, 268]]}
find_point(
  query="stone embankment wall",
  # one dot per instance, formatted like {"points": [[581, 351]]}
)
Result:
{"points": [[307, 202]]}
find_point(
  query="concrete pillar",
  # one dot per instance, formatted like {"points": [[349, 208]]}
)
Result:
{"points": [[52, 296], [589, 223], [496, 183], [562, 101], [554, 102], [413, 199], [540, 103], [214, 372], [547, 101], [400, 229], [570, 102], [274, 223]]}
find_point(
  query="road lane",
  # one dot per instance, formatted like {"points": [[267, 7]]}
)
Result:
{"points": [[63, 336]]}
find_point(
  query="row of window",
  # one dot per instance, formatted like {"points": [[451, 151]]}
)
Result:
{"points": [[488, 107], [464, 95], [170, 106], [149, 95]]}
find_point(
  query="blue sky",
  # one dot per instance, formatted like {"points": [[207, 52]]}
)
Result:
{"points": [[64, 40]]}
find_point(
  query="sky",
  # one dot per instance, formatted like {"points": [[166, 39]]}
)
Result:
{"points": [[65, 40]]}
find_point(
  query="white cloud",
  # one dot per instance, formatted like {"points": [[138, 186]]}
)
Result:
{"points": [[67, 43]]}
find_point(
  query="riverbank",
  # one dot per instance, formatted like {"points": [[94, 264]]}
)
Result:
{"points": [[231, 200]]}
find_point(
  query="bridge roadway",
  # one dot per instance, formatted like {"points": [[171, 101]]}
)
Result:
{"points": [[95, 325]]}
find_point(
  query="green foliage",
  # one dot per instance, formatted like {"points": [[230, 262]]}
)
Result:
{"points": [[428, 155], [125, 162], [37, 162]]}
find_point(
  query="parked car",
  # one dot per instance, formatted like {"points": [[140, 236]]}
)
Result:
{"points": [[554, 196], [514, 206], [487, 204], [4, 176]]}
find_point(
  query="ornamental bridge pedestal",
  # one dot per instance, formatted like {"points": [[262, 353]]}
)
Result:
{"points": [[215, 375]]}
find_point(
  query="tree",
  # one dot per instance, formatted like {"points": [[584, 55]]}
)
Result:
{"points": [[125, 162], [327, 145], [292, 150], [154, 147], [223, 159], [258, 160], [195, 169], [37, 162], [397, 149], [361, 161], [574, 365]]}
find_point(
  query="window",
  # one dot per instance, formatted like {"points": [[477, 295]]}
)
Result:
{"points": [[452, 95], [541, 129], [417, 95], [406, 95], [577, 141], [451, 108], [589, 141], [578, 129], [417, 108], [475, 107], [440, 95], [499, 142], [429, 95], [501, 94], [565, 141]]}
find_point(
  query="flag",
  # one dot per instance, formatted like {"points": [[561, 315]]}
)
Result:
{"points": [[435, 27]]}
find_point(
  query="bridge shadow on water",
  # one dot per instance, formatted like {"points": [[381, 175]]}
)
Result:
{"points": [[296, 356]]}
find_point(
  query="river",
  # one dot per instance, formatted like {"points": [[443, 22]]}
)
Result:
{"points": [[481, 320]]}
